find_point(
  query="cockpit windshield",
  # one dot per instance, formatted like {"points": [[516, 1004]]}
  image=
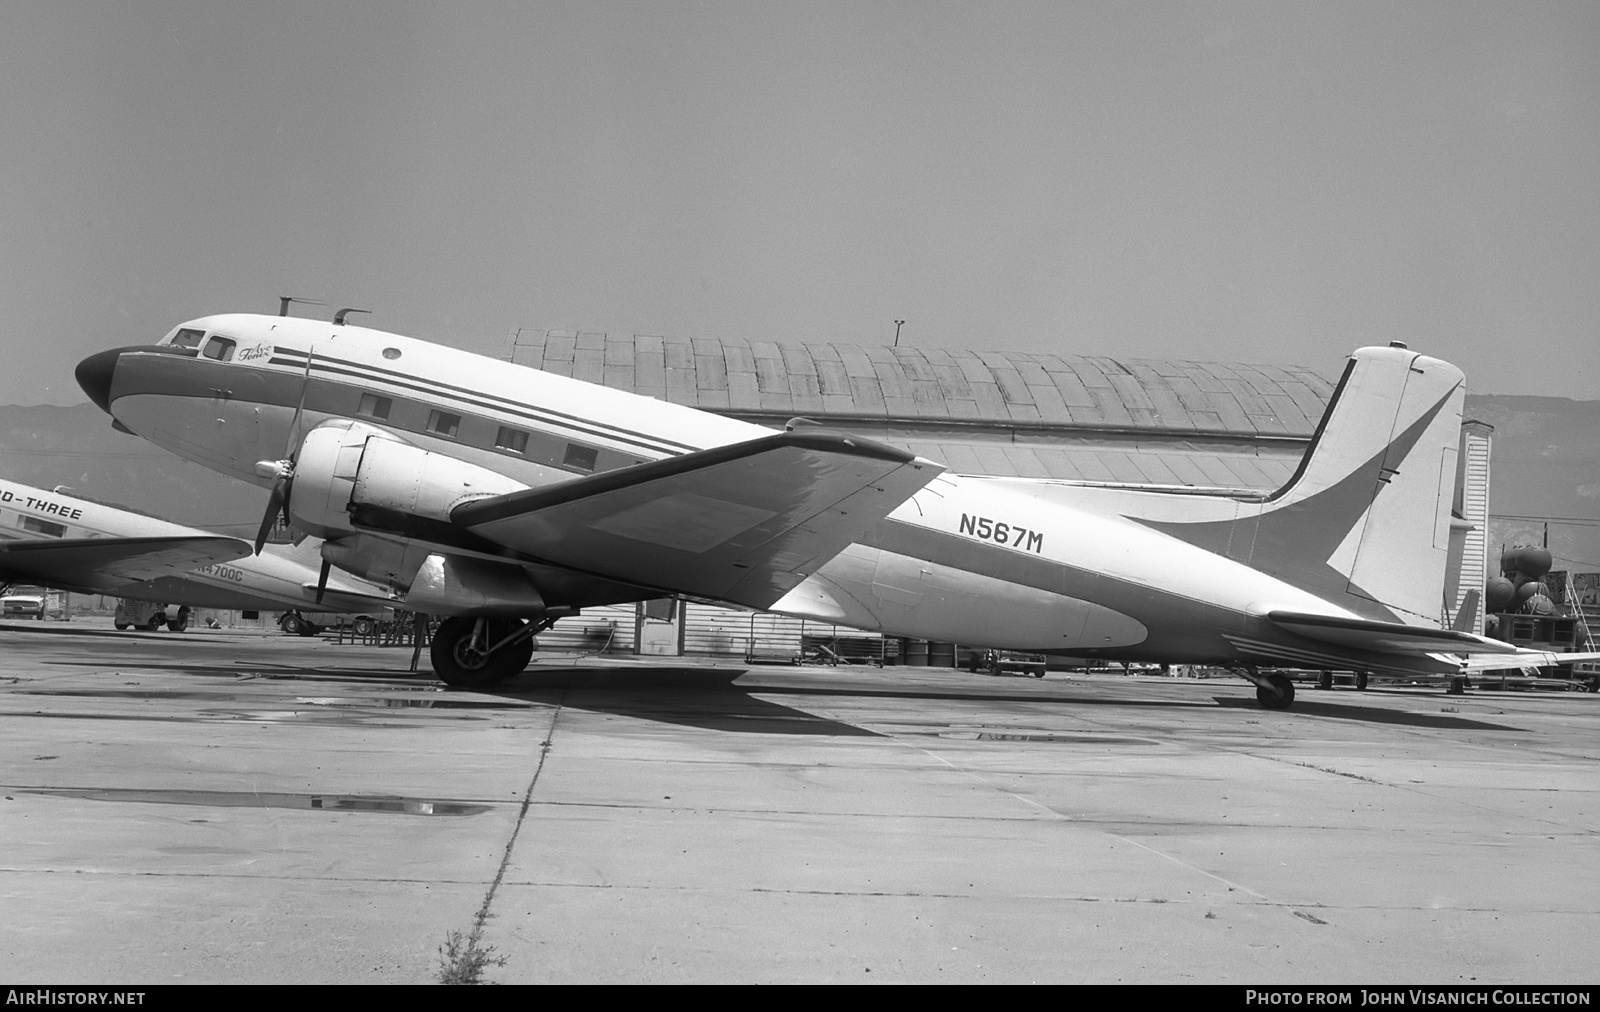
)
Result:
{"points": [[219, 348], [187, 338]]}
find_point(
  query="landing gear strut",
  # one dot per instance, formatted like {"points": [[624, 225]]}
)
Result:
{"points": [[475, 653]]}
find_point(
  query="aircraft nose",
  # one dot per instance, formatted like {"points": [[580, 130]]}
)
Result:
{"points": [[95, 374]]}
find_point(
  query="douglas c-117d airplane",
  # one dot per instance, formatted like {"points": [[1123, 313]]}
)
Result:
{"points": [[506, 498], [76, 544]]}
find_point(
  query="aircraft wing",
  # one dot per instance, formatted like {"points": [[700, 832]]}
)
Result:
{"points": [[743, 523], [110, 562], [1386, 637]]}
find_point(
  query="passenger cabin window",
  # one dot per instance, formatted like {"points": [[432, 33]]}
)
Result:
{"points": [[444, 423], [374, 406], [187, 338], [514, 440], [581, 457], [219, 348], [44, 527]]}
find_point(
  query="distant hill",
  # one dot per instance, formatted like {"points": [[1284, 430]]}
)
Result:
{"points": [[1546, 463], [46, 446]]}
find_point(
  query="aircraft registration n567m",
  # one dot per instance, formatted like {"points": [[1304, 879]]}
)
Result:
{"points": [[77, 544], [506, 498]]}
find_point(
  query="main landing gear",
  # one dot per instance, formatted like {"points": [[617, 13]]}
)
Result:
{"points": [[1273, 692], [476, 653]]}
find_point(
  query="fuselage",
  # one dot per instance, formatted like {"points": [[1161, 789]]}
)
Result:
{"points": [[270, 581], [1038, 565]]}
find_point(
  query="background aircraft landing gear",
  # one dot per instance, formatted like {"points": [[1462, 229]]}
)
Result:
{"points": [[473, 653]]}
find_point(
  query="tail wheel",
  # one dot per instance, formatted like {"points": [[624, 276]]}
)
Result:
{"points": [[1278, 694], [462, 657]]}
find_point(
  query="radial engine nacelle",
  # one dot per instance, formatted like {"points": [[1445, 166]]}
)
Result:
{"points": [[349, 476]]}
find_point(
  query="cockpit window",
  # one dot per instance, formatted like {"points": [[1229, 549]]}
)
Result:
{"points": [[187, 338], [219, 348]]}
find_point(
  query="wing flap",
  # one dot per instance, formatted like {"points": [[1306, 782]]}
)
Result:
{"points": [[1386, 637], [742, 523], [112, 562]]}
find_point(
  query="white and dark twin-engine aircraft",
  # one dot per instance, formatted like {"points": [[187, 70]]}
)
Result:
{"points": [[505, 498], [63, 541]]}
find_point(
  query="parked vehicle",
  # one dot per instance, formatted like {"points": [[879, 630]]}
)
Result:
{"points": [[294, 623], [145, 615], [23, 602], [996, 662]]}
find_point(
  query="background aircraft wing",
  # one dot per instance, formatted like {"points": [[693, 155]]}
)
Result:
{"points": [[1386, 637], [102, 562], [743, 523]]}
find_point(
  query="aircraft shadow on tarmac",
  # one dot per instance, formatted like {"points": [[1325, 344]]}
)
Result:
{"points": [[710, 698], [691, 697], [1377, 715]]}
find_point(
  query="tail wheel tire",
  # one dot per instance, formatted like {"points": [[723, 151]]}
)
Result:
{"points": [[461, 658], [1278, 696]]}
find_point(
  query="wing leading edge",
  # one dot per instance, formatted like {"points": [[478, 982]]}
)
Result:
{"points": [[743, 523], [110, 562]]}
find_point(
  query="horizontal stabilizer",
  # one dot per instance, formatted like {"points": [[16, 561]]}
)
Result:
{"points": [[744, 522], [110, 562], [1385, 637], [1524, 659]]}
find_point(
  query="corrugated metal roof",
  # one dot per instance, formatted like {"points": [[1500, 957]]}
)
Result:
{"points": [[986, 388], [1073, 417]]}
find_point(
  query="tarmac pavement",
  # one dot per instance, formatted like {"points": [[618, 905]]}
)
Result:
{"points": [[224, 807]]}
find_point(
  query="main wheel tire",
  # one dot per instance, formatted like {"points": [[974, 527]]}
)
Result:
{"points": [[178, 624], [289, 623], [462, 664], [1279, 696], [1361, 681]]}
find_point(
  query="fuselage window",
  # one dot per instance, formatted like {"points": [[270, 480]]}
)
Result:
{"points": [[444, 423], [374, 406], [514, 440], [219, 348], [44, 527], [187, 338], [581, 457]]}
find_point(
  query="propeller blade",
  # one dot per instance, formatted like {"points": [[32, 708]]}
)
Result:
{"points": [[322, 579], [292, 451], [276, 500]]}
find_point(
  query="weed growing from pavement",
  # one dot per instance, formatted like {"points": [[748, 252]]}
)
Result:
{"points": [[462, 959]]}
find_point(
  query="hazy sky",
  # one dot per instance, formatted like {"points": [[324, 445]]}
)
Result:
{"points": [[1275, 182]]}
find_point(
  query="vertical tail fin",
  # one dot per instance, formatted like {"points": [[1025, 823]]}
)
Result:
{"points": [[1364, 523]]}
